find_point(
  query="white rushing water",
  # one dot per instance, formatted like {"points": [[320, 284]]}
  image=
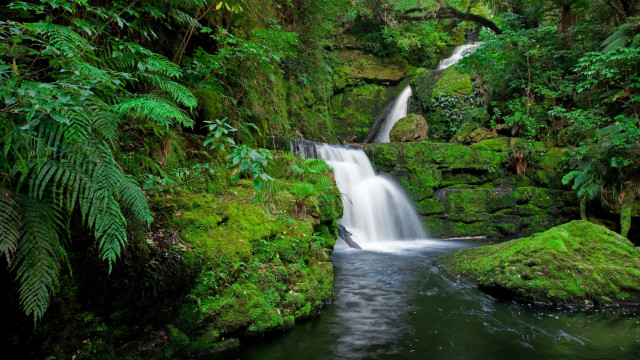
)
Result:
{"points": [[458, 53], [376, 210], [399, 110]]}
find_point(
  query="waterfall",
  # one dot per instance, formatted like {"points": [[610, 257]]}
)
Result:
{"points": [[399, 110], [458, 53], [375, 209]]}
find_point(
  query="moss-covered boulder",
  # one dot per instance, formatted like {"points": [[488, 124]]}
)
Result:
{"points": [[575, 263], [410, 128], [452, 82]]}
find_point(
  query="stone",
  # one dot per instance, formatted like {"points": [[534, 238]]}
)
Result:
{"points": [[564, 265], [470, 133], [411, 128]]}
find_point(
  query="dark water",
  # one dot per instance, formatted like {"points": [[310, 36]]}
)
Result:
{"points": [[402, 305]]}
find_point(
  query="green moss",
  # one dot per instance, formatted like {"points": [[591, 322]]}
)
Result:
{"points": [[497, 144], [261, 271], [568, 264], [209, 104], [453, 82], [358, 65], [410, 128]]}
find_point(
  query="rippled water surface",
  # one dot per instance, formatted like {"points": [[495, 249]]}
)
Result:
{"points": [[395, 302]]}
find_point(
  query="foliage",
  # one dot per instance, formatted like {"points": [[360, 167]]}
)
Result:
{"points": [[178, 179], [67, 85], [218, 134], [250, 163]]}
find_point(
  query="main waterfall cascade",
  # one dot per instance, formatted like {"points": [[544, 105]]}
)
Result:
{"points": [[375, 209], [399, 110]]}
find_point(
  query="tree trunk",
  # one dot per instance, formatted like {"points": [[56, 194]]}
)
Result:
{"points": [[583, 208], [566, 19]]}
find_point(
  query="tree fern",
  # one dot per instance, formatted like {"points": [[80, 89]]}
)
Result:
{"points": [[625, 34]]}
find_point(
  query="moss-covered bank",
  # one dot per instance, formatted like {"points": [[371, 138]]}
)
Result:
{"points": [[222, 260], [467, 191], [575, 263]]}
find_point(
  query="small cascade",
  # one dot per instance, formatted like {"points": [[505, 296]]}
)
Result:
{"points": [[458, 53], [375, 209], [304, 149], [399, 110]]}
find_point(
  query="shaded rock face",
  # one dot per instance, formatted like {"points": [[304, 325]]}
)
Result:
{"points": [[410, 128], [359, 65], [462, 191], [470, 133], [574, 263]]}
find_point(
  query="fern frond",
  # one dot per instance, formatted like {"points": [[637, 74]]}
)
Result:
{"points": [[9, 224], [133, 199], [105, 121], [161, 65], [61, 40], [110, 228], [184, 18], [38, 256], [153, 108], [179, 93]]}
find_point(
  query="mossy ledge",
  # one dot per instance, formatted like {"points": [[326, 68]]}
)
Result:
{"points": [[576, 263]]}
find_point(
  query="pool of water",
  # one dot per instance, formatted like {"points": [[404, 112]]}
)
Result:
{"points": [[396, 302]]}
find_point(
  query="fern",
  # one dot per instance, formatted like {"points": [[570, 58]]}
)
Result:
{"points": [[179, 93], [624, 34], [155, 109], [38, 256], [9, 224]]}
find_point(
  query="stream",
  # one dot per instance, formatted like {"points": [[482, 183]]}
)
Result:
{"points": [[400, 304]]}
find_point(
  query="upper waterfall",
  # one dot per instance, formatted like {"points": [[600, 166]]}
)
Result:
{"points": [[399, 110], [375, 208], [458, 53]]}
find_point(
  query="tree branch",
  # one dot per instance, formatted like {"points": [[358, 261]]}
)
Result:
{"points": [[449, 12]]}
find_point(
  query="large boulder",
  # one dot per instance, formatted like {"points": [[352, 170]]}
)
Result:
{"points": [[575, 263], [411, 128]]}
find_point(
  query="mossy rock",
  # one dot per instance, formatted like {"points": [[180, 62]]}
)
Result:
{"points": [[454, 83], [471, 133], [411, 128], [355, 109], [496, 144], [422, 86], [575, 263], [359, 65]]}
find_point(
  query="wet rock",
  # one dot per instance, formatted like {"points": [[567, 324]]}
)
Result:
{"points": [[411, 128]]}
